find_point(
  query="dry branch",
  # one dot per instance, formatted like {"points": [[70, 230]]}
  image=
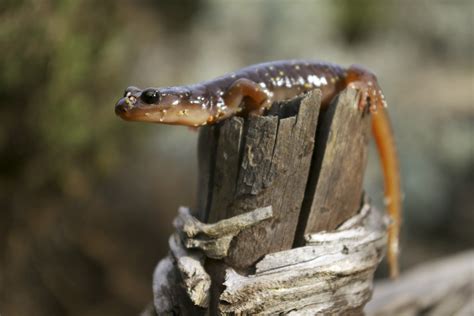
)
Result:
{"points": [[443, 287], [215, 239]]}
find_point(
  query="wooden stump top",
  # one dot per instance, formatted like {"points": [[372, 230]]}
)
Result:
{"points": [[273, 160]]}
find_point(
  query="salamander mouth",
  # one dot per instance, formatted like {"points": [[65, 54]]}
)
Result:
{"points": [[130, 109]]}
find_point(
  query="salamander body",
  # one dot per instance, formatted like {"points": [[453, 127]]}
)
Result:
{"points": [[252, 90]]}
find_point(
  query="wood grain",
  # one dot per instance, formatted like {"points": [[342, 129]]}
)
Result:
{"points": [[335, 186], [259, 162]]}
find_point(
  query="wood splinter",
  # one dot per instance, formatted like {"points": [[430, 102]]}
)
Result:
{"points": [[214, 239]]}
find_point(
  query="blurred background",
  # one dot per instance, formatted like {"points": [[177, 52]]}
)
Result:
{"points": [[86, 199]]}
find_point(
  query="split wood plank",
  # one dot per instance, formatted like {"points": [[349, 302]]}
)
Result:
{"points": [[259, 162], [334, 190]]}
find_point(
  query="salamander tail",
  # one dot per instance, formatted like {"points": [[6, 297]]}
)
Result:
{"points": [[385, 142]]}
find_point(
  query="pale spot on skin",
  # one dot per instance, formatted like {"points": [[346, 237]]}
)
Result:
{"points": [[315, 80], [278, 81], [131, 100], [297, 67], [281, 73], [271, 68]]}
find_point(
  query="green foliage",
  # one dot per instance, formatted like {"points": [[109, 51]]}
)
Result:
{"points": [[358, 20], [60, 62]]}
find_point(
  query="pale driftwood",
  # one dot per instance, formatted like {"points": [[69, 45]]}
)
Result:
{"points": [[169, 296], [332, 274], [182, 272], [444, 287], [195, 279], [214, 239], [180, 283], [164, 283]]}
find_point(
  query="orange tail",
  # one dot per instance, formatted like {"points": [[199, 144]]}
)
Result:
{"points": [[385, 142]]}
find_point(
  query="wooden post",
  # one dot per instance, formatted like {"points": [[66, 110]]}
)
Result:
{"points": [[334, 190], [270, 161], [259, 162], [306, 164]]}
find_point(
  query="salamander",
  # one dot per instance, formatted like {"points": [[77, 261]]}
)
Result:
{"points": [[252, 90]]}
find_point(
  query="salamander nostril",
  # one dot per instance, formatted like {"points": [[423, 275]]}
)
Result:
{"points": [[120, 108]]}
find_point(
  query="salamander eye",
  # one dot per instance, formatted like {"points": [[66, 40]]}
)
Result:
{"points": [[150, 96]]}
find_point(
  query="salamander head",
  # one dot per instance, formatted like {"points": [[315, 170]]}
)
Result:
{"points": [[164, 105]]}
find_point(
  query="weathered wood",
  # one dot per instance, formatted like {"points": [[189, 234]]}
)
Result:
{"points": [[214, 239], [227, 162], [443, 287], [247, 164], [264, 161], [169, 296], [206, 158], [334, 189], [332, 274]]}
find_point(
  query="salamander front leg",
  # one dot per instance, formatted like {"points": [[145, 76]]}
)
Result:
{"points": [[246, 97]]}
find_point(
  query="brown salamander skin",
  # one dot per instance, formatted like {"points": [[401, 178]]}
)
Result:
{"points": [[252, 90]]}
